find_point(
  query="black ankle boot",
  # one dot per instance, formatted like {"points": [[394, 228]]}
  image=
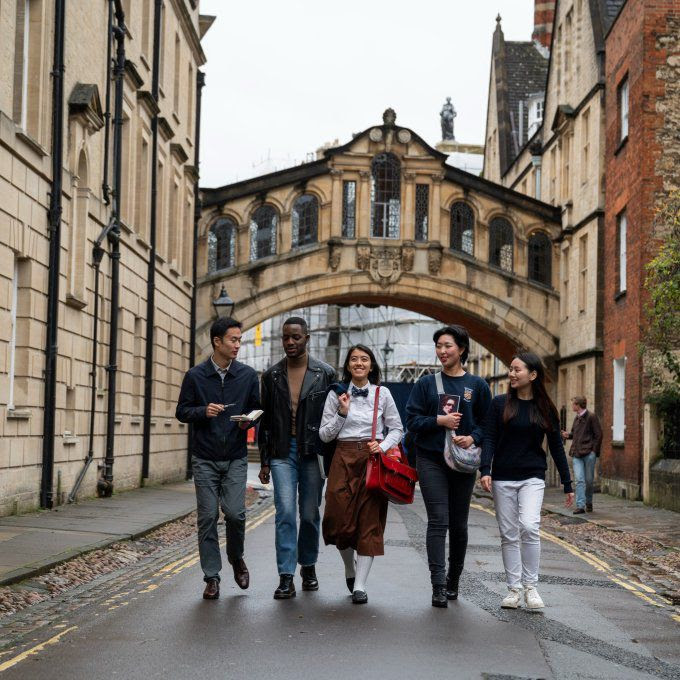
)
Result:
{"points": [[452, 586], [309, 580], [439, 596], [286, 588]]}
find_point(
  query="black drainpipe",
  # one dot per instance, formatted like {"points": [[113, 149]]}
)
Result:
{"points": [[54, 216], [151, 271], [106, 189], [200, 83], [105, 483]]}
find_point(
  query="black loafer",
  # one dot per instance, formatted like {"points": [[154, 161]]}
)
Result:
{"points": [[286, 588], [309, 580], [439, 596], [350, 584], [359, 597]]}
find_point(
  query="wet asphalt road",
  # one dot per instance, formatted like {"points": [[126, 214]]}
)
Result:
{"points": [[159, 627]]}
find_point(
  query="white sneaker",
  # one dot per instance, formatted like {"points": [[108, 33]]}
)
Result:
{"points": [[513, 599], [532, 598]]}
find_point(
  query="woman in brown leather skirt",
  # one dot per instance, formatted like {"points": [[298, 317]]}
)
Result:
{"points": [[354, 518]]}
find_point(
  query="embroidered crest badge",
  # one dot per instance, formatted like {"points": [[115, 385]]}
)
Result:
{"points": [[467, 394]]}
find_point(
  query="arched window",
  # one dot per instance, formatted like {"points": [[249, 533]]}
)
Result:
{"points": [[263, 225], [462, 228], [385, 196], [305, 220], [500, 243], [540, 259], [222, 245]]}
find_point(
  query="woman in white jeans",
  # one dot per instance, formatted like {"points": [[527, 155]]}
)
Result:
{"points": [[513, 468]]}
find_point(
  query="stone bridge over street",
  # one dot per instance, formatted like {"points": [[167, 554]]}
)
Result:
{"points": [[383, 220]]}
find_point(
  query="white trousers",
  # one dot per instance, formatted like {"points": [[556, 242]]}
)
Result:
{"points": [[518, 511]]}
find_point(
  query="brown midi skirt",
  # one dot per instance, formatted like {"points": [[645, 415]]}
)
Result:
{"points": [[353, 517]]}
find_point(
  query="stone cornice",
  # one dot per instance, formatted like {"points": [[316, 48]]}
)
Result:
{"points": [[148, 102]]}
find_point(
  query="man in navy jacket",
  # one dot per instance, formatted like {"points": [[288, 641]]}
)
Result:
{"points": [[212, 392]]}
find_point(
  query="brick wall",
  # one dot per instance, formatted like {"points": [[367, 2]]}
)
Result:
{"points": [[642, 46]]}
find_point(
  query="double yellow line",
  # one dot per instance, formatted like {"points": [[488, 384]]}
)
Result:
{"points": [[168, 570], [641, 590]]}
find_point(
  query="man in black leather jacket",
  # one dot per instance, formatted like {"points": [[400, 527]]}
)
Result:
{"points": [[293, 393]]}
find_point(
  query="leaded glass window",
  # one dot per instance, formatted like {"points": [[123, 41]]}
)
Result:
{"points": [[263, 226], [349, 208], [500, 243], [305, 220], [422, 211], [222, 245], [385, 196], [462, 228], [540, 259]]}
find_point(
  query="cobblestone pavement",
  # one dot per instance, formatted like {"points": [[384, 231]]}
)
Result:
{"points": [[145, 619]]}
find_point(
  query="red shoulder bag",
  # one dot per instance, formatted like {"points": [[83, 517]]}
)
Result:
{"points": [[386, 473]]}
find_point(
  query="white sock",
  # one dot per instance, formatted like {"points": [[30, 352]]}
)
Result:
{"points": [[364, 563], [348, 558]]}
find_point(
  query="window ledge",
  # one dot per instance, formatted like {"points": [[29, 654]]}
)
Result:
{"points": [[36, 146], [18, 414], [142, 242], [176, 118], [617, 444], [622, 143], [69, 439], [620, 295], [135, 421], [75, 301], [168, 423]]}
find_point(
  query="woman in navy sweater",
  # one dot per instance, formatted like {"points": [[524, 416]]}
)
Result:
{"points": [[446, 492], [513, 467]]}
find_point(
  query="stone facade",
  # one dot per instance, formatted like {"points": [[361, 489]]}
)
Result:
{"points": [[423, 272], [25, 180], [643, 55]]}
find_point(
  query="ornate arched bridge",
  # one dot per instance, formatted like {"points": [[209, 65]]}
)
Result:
{"points": [[383, 219]]}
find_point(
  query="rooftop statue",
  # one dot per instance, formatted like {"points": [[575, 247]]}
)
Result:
{"points": [[448, 113]]}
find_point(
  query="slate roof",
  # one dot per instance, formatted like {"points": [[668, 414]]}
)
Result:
{"points": [[526, 74]]}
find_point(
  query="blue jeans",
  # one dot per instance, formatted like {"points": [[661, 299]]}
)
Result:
{"points": [[296, 481], [220, 484], [584, 473]]}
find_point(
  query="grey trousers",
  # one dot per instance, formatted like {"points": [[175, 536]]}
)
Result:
{"points": [[220, 484]]}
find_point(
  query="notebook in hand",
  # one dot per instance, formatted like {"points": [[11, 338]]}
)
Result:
{"points": [[247, 417]]}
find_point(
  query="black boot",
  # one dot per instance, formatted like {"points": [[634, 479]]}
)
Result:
{"points": [[439, 596], [309, 580], [286, 588], [452, 581]]}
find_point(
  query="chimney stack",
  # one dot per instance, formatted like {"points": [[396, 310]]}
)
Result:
{"points": [[544, 12]]}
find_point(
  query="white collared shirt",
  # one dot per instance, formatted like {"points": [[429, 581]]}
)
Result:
{"points": [[358, 423], [222, 372]]}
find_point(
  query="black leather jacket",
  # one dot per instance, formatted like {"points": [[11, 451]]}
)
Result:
{"points": [[274, 433]]}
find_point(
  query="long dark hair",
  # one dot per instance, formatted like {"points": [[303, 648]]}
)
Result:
{"points": [[542, 412], [373, 374]]}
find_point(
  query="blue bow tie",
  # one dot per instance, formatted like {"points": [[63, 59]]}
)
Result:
{"points": [[356, 392]]}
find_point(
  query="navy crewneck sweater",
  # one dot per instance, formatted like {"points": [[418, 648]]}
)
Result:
{"points": [[513, 451]]}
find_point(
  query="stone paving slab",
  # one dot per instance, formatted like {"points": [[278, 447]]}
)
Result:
{"points": [[33, 543]]}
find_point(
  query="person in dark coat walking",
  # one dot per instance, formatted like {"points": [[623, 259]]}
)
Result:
{"points": [[586, 436], [212, 392], [293, 395]]}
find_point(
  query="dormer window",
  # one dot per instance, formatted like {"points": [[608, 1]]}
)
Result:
{"points": [[535, 114]]}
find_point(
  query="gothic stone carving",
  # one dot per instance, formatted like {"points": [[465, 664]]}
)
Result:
{"points": [[385, 265], [334, 251], [363, 256], [434, 258], [408, 253]]}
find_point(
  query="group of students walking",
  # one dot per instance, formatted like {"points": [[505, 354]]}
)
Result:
{"points": [[306, 414]]}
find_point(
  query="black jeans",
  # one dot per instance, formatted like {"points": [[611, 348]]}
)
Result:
{"points": [[447, 495]]}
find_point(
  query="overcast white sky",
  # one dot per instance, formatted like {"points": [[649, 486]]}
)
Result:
{"points": [[285, 76]]}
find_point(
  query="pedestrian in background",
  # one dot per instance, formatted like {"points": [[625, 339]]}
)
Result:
{"points": [[447, 492], [513, 467], [211, 392], [586, 436], [293, 396], [354, 518]]}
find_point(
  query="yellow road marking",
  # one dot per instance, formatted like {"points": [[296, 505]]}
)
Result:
{"points": [[34, 650], [598, 564]]}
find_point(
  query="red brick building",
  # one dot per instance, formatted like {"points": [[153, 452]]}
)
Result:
{"points": [[642, 165]]}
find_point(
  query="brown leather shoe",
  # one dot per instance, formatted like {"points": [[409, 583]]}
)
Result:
{"points": [[241, 574], [212, 589]]}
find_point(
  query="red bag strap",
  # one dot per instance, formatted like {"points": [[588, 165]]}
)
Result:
{"points": [[375, 413]]}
